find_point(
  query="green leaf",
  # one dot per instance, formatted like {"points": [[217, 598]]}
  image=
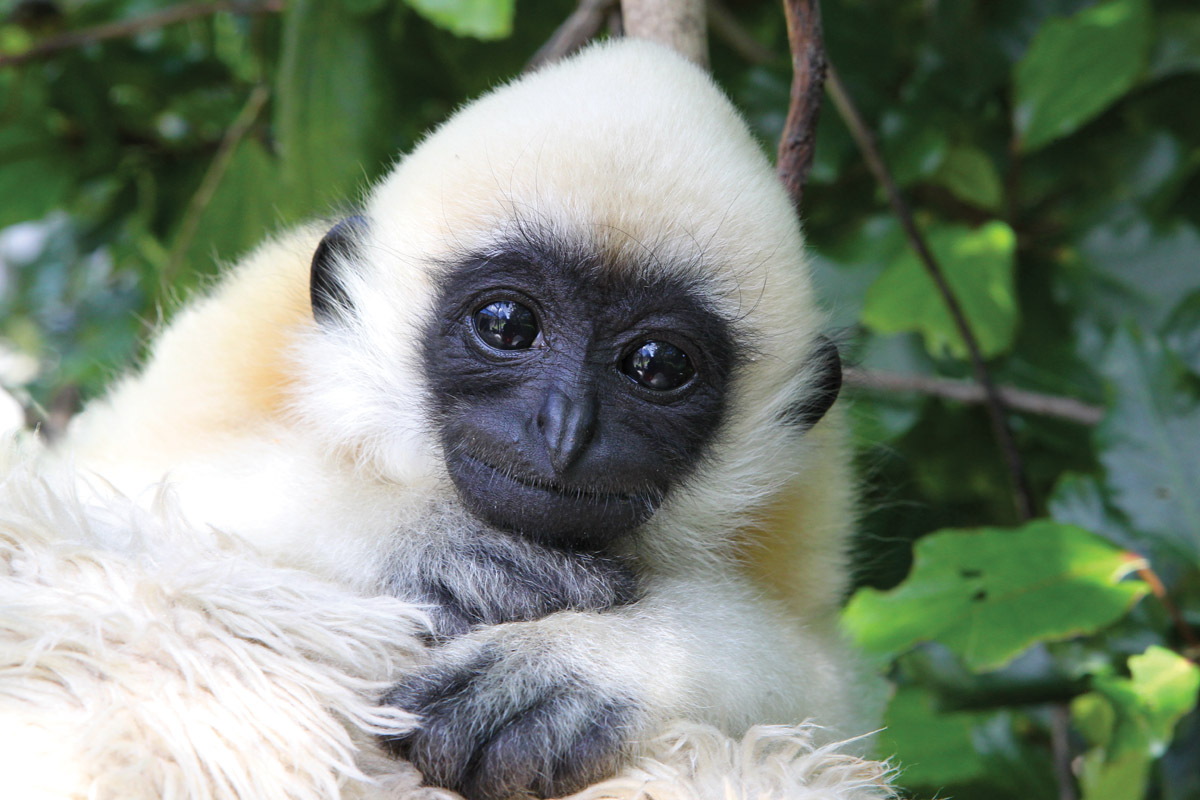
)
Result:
{"points": [[913, 148], [1182, 332], [1139, 713], [483, 19], [1122, 778], [1165, 685], [969, 174], [932, 749], [363, 6], [1130, 721], [35, 175], [989, 593], [330, 112], [1137, 269], [1076, 67], [1150, 444], [1178, 46], [978, 265], [243, 209], [1079, 500]]}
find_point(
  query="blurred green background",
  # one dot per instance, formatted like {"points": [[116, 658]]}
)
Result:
{"points": [[1050, 150]]}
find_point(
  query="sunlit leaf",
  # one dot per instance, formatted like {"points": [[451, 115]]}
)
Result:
{"points": [[978, 265], [1076, 67], [1129, 721], [989, 593], [483, 19], [1122, 778]]}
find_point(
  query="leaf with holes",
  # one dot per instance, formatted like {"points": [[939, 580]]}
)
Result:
{"points": [[989, 593]]}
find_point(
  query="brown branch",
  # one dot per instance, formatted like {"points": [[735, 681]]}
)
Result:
{"points": [[1044, 405], [799, 138], [679, 24], [576, 31], [212, 179], [1022, 496], [132, 27]]}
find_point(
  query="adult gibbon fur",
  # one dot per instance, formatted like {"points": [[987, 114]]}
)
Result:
{"points": [[561, 380]]}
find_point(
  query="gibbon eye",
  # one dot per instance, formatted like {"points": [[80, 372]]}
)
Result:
{"points": [[658, 365], [506, 325]]}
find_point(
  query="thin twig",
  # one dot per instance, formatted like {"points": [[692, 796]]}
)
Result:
{"points": [[132, 27], [1159, 591], [799, 138], [1045, 405], [1022, 496], [1060, 741], [726, 27], [212, 179], [576, 31]]}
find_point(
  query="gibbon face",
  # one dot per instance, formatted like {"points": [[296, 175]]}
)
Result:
{"points": [[570, 397]]}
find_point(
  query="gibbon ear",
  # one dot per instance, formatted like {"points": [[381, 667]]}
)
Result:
{"points": [[826, 364], [325, 288]]}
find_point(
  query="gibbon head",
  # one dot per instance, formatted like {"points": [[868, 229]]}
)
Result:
{"points": [[583, 301]]}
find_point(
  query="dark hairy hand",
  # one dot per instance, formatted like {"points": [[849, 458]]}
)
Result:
{"points": [[499, 721], [489, 577]]}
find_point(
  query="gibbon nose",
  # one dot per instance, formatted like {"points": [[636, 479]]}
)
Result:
{"points": [[567, 424]]}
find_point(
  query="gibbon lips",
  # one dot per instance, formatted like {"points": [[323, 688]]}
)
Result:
{"points": [[546, 511]]}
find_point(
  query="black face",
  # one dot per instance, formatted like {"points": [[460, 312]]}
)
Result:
{"points": [[570, 399]]}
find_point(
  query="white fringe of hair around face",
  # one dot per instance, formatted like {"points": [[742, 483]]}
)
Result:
{"points": [[141, 658]]}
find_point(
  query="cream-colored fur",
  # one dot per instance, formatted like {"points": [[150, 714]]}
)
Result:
{"points": [[313, 444], [141, 659]]}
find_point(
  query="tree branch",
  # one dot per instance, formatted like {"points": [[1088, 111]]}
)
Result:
{"points": [[679, 24], [132, 27], [1022, 496], [576, 31], [212, 179], [799, 138], [1044, 405]]}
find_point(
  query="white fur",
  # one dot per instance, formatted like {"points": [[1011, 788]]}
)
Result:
{"points": [[141, 659], [313, 444]]}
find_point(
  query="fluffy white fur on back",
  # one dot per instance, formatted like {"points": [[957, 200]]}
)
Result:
{"points": [[140, 658], [143, 659]]}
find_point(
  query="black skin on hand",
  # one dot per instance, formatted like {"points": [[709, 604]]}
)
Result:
{"points": [[558, 736]]}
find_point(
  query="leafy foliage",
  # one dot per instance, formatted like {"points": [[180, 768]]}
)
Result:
{"points": [[1051, 151], [989, 593]]}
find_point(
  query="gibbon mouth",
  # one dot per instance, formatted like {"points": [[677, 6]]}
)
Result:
{"points": [[545, 510], [555, 487]]}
